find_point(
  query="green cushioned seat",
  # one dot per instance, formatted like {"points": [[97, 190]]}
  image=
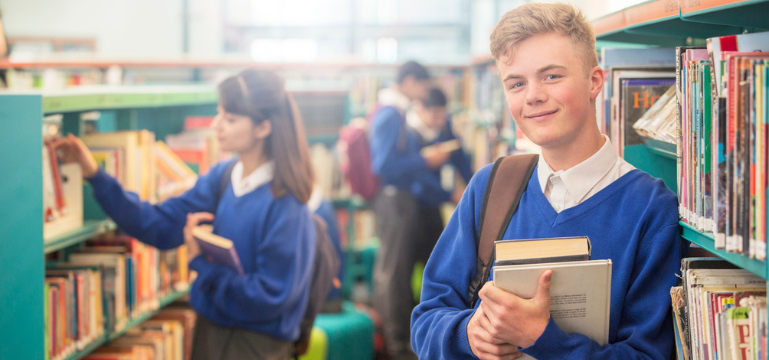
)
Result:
{"points": [[350, 334], [318, 345]]}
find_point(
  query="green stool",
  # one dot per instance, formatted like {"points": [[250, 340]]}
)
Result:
{"points": [[349, 335], [318, 345]]}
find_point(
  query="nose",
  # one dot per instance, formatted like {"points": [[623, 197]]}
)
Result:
{"points": [[535, 93], [217, 122]]}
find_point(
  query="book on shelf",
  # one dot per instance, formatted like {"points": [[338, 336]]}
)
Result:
{"points": [[62, 186], [174, 176], [626, 58], [634, 91], [128, 156], [101, 286], [722, 116], [580, 292], [164, 336], [659, 121], [218, 249], [722, 310]]}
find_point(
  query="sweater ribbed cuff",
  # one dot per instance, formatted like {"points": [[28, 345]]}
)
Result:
{"points": [[550, 344], [464, 340]]}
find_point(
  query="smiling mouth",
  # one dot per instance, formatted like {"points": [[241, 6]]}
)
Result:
{"points": [[541, 114]]}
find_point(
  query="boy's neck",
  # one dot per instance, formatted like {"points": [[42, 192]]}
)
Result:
{"points": [[566, 157]]}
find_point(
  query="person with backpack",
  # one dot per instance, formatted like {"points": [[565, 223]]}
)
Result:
{"points": [[432, 123], [578, 187], [397, 162], [262, 209]]}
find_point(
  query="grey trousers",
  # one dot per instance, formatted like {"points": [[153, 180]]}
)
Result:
{"points": [[407, 234], [214, 342]]}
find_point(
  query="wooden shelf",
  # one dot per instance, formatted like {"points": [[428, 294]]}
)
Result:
{"points": [[707, 242], [102, 340], [90, 229]]}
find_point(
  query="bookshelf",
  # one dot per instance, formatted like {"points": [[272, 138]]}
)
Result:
{"points": [[161, 109], [678, 23]]}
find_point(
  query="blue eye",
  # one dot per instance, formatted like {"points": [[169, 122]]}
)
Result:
{"points": [[552, 77], [516, 85]]}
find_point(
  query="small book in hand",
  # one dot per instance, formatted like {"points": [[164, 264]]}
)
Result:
{"points": [[219, 250]]}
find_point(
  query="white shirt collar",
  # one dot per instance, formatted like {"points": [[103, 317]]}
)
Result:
{"points": [[392, 97], [262, 175], [428, 134], [316, 199], [583, 177]]}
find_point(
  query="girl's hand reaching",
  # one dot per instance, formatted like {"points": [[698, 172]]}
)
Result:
{"points": [[193, 219], [72, 149]]}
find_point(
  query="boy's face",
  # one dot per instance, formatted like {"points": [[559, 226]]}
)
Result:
{"points": [[434, 117], [549, 92]]}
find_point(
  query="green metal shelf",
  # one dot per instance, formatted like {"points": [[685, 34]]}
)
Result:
{"points": [[121, 97], [134, 322], [707, 242], [90, 229], [662, 148], [350, 203]]}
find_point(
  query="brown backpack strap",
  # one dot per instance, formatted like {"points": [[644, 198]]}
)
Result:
{"points": [[500, 202]]}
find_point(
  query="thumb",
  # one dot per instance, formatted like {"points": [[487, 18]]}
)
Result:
{"points": [[543, 287]]}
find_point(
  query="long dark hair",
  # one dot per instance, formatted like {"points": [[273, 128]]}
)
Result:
{"points": [[261, 95]]}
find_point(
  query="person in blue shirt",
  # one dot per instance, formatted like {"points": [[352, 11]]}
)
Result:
{"points": [[432, 123], [255, 315], [396, 160], [547, 63]]}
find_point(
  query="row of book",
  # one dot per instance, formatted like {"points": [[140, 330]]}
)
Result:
{"points": [[722, 157], [100, 287], [720, 311], [167, 335]]}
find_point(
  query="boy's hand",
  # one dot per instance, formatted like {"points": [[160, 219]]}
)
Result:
{"points": [[72, 149], [193, 219], [485, 346], [513, 319], [435, 156]]}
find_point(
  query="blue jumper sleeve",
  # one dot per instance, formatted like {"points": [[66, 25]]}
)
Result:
{"points": [[281, 281], [439, 322], [645, 329], [428, 190], [387, 161], [459, 159], [161, 225]]}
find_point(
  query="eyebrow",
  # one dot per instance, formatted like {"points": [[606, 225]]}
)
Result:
{"points": [[541, 70]]}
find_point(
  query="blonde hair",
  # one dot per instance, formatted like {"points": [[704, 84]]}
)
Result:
{"points": [[528, 20]]}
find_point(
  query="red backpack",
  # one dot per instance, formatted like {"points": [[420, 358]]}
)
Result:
{"points": [[355, 155]]}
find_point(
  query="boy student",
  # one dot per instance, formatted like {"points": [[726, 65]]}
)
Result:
{"points": [[433, 125], [546, 59], [396, 160]]}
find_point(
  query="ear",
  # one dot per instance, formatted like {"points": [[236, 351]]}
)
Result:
{"points": [[263, 130], [596, 81]]}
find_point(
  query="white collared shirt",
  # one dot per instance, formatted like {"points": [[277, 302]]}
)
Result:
{"points": [[568, 188], [394, 98], [262, 175], [428, 134]]}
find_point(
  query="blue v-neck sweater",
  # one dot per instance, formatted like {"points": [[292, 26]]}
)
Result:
{"points": [[633, 222], [274, 239]]}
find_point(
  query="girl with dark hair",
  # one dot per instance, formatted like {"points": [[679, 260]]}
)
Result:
{"points": [[255, 315]]}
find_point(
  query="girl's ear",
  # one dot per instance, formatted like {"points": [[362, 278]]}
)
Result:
{"points": [[263, 130]]}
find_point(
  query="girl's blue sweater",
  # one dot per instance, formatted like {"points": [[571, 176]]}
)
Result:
{"points": [[633, 222], [274, 238]]}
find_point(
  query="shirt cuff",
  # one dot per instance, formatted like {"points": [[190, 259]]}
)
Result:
{"points": [[549, 344]]}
